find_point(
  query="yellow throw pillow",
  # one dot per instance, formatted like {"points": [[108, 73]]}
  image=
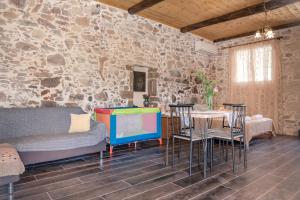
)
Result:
{"points": [[80, 123]]}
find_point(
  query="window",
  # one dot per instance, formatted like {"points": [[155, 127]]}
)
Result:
{"points": [[254, 74], [254, 64], [243, 64], [263, 63]]}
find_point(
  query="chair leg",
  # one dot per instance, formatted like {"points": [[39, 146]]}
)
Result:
{"points": [[211, 153], [240, 149], [226, 156], [220, 150], [199, 152], [233, 157], [179, 150], [101, 160], [173, 152], [223, 149], [204, 157], [191, 157], [245, 153]]}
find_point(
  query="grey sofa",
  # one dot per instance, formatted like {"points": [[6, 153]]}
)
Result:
{"points": [[41, 134]]}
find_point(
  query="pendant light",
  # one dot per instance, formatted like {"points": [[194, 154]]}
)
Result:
{"points": [[266, 32]]}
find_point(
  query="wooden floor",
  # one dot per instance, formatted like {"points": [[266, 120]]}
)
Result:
{"points": [[273, 172]]}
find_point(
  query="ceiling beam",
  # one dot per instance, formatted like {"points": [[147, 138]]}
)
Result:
{"points": [[251, 10], [142, 6], [282, 26]]}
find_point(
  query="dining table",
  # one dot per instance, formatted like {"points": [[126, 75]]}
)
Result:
{"points": [[206, 117]]}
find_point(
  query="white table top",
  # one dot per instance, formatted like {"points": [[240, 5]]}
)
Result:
{"points": [[209, 114], [204, 114]]}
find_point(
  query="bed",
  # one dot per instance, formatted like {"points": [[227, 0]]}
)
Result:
{"points": [[255, 126]]}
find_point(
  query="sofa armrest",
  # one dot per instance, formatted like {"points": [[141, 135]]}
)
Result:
{"points": [[98, 128]]}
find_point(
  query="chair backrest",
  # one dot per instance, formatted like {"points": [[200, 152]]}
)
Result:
{"points": [[237, 119], [183, 113]]}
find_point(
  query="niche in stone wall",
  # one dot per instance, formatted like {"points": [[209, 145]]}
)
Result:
{"points": [[146, 86]]}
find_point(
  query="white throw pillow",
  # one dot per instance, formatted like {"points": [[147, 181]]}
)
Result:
{"points": [[80, 123]]}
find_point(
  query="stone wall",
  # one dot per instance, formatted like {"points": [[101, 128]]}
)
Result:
{"points": [[289, 110], [58, 52]]}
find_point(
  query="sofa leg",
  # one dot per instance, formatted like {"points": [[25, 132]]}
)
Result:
{"points": [[11, 188], [101, 160], [160, 141], [11, 191], [111, 150]]}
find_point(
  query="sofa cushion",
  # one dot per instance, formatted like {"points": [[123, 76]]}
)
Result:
{"points": [[18, 122], [52, 142], [80, 123]]}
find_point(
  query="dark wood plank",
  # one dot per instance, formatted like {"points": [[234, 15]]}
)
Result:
{"points": [[286, 189], [196, 189], [45, 188], [255, 189], [43, 196], [266, 168], [80, 178], [55, 179], [86, 185], [296, 196], [185, 182], [158, 173], [282, 26], [216, 193], [142, 187], [248, 11], [248, 178], [91, 192], [142, 6], [156, 192], [291, 166], [124, 173]]}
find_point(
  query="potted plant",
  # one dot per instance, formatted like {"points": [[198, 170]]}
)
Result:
{"points": [[210, 88], [146, 100]]}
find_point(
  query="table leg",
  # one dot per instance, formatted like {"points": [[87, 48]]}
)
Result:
{"points": [[205, 149], [167, 147]]}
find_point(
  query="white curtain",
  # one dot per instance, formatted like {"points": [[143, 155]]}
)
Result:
{"points": [[255, 78]]}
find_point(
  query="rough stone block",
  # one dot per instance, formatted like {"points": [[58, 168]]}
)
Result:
{"points": [[126, 94], [18, 3], [48, 104], [56, 59], [50, 82]]}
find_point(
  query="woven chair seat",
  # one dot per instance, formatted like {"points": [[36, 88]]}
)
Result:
{"points": [[196, 134], [224, 133]]}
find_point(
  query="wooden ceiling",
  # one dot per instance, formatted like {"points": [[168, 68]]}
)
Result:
{"points": [[239, 22]]}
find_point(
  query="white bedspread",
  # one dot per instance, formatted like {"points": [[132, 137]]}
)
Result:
{"points": [[254, 127]]}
